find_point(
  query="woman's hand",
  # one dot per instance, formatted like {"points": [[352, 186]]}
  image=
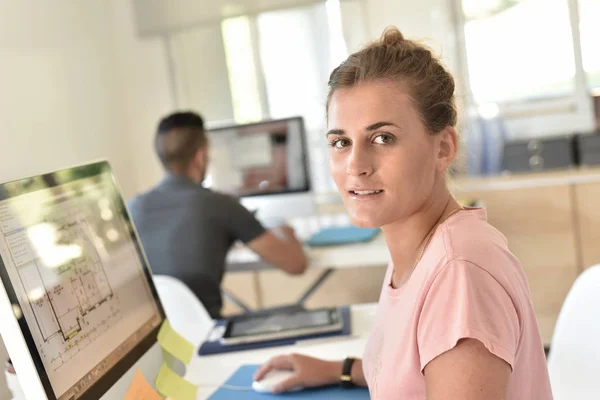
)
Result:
{"points": [[308, 371]]}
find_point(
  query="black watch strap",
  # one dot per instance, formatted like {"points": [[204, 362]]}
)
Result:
{"points": [[346, 377]]}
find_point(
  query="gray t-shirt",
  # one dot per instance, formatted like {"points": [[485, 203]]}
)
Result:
{"points": [[186, 231]]}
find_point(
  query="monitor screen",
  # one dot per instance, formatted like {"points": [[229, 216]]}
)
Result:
{"points": [[70, 260], [256, 159]]}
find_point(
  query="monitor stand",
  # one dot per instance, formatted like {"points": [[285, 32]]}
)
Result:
{"points": [[277, 209]]}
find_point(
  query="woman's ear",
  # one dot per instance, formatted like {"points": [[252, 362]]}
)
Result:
{"points": [[447, 148]]}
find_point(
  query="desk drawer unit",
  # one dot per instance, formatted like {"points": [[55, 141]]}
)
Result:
{"points": [[539, 154], [588, 147]]}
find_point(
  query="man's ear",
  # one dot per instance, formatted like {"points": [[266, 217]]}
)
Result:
{"points": [[201, 157], [447, 141]]}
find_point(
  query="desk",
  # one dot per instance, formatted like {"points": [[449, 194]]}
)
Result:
{"points": [[369, 254], [212, 371]]}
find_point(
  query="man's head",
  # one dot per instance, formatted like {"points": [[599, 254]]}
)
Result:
{"points": [[182, 145]]}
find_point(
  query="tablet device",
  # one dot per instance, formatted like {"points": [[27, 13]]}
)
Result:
{"points": [[281, 325]]}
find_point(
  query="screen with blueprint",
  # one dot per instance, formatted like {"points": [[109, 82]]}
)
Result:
{"points": [[70, 258]]}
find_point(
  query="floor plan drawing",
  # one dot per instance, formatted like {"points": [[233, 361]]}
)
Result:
{"points": [[73, 302]]}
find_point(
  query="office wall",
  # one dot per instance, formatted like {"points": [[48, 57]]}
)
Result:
{"points": [[78, 84], [59, 101], [57, 92], [146, 93]]}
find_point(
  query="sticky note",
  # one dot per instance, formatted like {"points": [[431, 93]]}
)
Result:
{"points": [[140, 389], [174, 386], [174, 343]]}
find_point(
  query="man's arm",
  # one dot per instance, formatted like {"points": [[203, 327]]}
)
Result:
{"points": [[280, 248]]}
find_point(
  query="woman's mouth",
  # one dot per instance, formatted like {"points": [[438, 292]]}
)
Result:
{"points": [[364, 193]]}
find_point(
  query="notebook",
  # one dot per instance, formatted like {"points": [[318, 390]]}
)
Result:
{"points": [[239, 386], [214, 346], [341, 235]]}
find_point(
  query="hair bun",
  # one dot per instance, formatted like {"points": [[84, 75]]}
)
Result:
{"points": [[392, 37]]}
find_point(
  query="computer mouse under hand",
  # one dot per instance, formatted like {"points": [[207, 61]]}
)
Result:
{"points": [[272, 379]]}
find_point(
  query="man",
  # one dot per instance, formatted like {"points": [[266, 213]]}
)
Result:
{"points": [[187, 230]]}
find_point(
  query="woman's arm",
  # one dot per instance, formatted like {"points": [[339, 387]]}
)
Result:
{"points": [[467, 372], [309, 372]]}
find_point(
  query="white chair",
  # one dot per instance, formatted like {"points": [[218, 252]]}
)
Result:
{"points": [[184, 310], [574, 359]]}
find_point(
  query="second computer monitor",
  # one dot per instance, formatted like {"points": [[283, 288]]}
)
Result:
{"points": [[265, 164]]}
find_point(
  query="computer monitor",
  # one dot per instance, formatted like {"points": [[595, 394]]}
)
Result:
{"points": [[265, 164], [78, 306]]}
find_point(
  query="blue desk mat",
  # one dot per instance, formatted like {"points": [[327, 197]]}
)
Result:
{"points": [[215, 346], [341, 235], [243, 378]]}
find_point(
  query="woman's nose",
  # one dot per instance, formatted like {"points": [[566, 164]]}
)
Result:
{"points": [[359, 163]]}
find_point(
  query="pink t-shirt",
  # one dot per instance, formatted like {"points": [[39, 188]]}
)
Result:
{"points": [[467, 285]]}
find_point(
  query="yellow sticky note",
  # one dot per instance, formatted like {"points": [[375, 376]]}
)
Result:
{"points": [[174, 386], [174, 343], [140, 389]]}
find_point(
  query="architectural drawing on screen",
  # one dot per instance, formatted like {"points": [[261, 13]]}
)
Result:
{"points": [[71, 303]]}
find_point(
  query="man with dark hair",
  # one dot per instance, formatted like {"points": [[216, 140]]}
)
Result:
{"points": [[187, 230]]}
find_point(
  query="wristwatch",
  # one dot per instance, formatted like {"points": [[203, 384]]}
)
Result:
{"points": [[346, 377]]}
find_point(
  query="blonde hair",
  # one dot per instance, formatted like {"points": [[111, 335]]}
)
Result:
{"points": [[408, 63]]}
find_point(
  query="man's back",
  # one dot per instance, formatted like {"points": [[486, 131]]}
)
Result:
{"points": [[187, 230]]}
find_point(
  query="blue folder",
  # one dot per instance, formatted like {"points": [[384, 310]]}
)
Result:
{"points": [[216, 347], [341, 235], [242, 378]]}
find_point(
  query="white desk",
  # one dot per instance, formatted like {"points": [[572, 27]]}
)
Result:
{"points": [[369, 254], [212, 371]]}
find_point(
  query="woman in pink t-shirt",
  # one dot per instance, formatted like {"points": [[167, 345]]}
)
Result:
{"points": [[455, 318]]}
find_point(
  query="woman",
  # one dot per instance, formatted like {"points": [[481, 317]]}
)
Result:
{"points": [[455, 318]]}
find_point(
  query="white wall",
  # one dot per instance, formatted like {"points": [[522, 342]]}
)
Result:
{"points": [[146, 94], [58, 98], [76, 85]]}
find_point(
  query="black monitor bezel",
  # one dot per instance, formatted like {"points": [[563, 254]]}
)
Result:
{"points": [[307, 182], [100, 387]]}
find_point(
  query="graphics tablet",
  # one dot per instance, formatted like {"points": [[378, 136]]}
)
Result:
{"points": [[281, 325]]}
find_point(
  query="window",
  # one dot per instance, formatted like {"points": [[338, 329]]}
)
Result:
{"points": [[510, 58], [273, 64], [241, 68], [297, 48], [589, 26]]}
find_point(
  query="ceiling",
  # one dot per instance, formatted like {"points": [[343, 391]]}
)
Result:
{"points": [[156, 17]]}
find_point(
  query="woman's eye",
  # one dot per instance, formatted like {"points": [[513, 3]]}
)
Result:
{"points": [[339, 143], [383, 139]]}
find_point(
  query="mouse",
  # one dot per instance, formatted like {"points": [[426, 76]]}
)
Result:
{"points": [[271, 379]]}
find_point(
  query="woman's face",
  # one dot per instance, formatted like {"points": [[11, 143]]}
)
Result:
{"points": [[383, 161]]}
